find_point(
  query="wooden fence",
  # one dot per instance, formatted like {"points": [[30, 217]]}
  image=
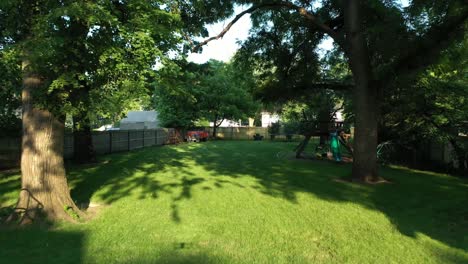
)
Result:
{"points": [[104, 142], [125, 140], [247, 133]]}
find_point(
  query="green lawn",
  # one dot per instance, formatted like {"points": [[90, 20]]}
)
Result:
{"points": [[246, 202]]}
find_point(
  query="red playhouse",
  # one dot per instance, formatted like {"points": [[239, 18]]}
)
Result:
{"points": [[197, 136]]}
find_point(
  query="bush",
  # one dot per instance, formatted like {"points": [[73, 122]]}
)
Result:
{"points": [[274, 128], [291, 128]]}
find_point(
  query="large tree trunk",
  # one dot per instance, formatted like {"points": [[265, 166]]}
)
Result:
{"points": [[83, 148], [44, 188], [365, 97]]}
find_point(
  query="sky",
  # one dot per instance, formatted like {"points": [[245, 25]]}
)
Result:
{"points": [[223, 49]]}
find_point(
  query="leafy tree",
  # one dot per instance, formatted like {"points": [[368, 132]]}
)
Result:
{"points": [[370, 35], [225, 94], [214, 91], [175, 95], [10, 81], [113, 63], [432, 109], [67, 49]]}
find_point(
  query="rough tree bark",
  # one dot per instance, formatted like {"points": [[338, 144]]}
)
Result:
{"points": [[44, 188], [365, 96]]}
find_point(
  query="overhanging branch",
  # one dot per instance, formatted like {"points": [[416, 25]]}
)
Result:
{"points": [[275, 94], [228, 27], [301, 10], [426, 50]]}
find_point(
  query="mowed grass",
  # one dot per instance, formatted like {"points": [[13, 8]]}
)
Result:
{"points": [[246, 202]]}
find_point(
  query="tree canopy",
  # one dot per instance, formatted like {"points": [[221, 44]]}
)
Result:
{"points": [[97, 58], [213, 91], [70, 51], [10, 92], [369, 35]]}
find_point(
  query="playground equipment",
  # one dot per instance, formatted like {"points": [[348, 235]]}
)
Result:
{"points": [[197, 136], [335, 146]]}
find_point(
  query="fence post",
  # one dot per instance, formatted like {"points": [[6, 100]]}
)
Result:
{"points": [[110, 141], [143, 138], [128, 140]]}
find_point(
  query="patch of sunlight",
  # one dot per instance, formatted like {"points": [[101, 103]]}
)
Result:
{"points": [[148, 165], [443, 252], [397, 167]]}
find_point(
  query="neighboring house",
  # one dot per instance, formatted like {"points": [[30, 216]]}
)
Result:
{"points": [[269, 118], [140, 120], [107, 128], [228, 123], [339, 116]]}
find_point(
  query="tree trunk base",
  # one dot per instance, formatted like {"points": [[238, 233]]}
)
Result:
{"points": [[29, 209], [370, 180]]}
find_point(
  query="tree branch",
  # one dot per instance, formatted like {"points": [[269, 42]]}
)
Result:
{"points": [[426, 50], [275, 94], [301, 10], [315, 21], [222, 120], [228, 27]]}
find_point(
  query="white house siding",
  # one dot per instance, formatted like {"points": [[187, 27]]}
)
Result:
{"points": [[140, 120], [269, 118]]}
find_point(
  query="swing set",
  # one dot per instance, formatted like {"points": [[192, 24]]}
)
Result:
{"points": [[332, 140]]}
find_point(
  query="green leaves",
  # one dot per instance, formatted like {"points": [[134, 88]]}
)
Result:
{"points": [[10, 94], [213, 91], [434, 107], [95, 57]]}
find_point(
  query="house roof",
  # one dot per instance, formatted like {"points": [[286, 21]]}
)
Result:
{"points": [[140, 116]]}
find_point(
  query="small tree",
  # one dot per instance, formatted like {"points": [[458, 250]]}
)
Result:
{"points": [[214, 91], [225, 93]]}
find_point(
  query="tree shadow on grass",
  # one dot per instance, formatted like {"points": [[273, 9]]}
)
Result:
{"points": [[37, 245], [125, 174], [9, 187], [416, 202], [427, 203], [133, 174], [423, 202], [186, 258]]}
